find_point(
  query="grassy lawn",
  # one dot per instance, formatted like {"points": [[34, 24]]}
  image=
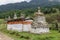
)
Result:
{"points": [[53, 35]]}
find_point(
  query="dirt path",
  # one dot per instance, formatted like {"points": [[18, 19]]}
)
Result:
{"points": [[4, 37]]}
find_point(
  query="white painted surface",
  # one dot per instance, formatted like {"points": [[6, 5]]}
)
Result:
{"points": [[40, 30], [29, 20], [26, 27], [17, 27], [9, 26]]}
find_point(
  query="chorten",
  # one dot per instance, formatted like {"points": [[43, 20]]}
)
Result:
{"points": [[39, 25], [22, 15], [39, 20], [15, 16], [9, 18]]}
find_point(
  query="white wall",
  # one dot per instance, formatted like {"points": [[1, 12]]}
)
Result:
{"points": [[9, 26], [26, 27], [17, 27], [39, 30]]}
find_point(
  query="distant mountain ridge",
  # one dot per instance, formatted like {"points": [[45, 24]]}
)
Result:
{"points": [[31, 4]]}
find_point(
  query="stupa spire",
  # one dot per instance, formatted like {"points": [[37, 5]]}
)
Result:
{"points": [[39, 12], [15, 16], [9, 18], [38, 9], [22, 15], [28, 17]]}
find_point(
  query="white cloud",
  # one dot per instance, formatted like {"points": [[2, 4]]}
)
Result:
{"points": [[11, 1]]}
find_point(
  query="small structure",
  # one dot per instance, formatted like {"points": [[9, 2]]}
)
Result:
{"points": [[15, 16], [38, 25], [20, 24]]}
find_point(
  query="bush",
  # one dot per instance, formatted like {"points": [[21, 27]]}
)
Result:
{"points": [[12, 32], [25, 37], [17, 34]]}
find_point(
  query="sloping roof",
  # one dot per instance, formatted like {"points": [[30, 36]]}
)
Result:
{"points": [[21, 19]]}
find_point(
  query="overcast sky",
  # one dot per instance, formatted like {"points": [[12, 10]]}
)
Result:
{"points": [[2, 2]]}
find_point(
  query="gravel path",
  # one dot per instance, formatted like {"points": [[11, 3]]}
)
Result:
{"points": [[4, 37]]}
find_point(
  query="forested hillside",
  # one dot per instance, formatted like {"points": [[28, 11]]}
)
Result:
{"points": [[31, 4]]}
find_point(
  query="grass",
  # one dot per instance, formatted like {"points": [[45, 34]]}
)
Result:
{"points": [[54, 35]]}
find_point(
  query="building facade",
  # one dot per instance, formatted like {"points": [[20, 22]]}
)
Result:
{"points": [[19, 24]]}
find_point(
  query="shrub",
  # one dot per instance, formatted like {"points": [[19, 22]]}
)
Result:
{"points": [[12, 32]]}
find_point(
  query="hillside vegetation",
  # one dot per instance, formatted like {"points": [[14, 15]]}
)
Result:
{"points": [[31, 4]]}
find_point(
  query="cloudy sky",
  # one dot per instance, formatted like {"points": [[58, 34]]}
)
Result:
{"points": [[2, 2]]}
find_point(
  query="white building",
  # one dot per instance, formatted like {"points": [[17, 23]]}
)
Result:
{"points": [[38, 25], [20, 24]]}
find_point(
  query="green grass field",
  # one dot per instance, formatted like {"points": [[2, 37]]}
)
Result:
{"points": [[53, 35]]}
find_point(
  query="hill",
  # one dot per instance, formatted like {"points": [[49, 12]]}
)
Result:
{"points": [[31, 4]]}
